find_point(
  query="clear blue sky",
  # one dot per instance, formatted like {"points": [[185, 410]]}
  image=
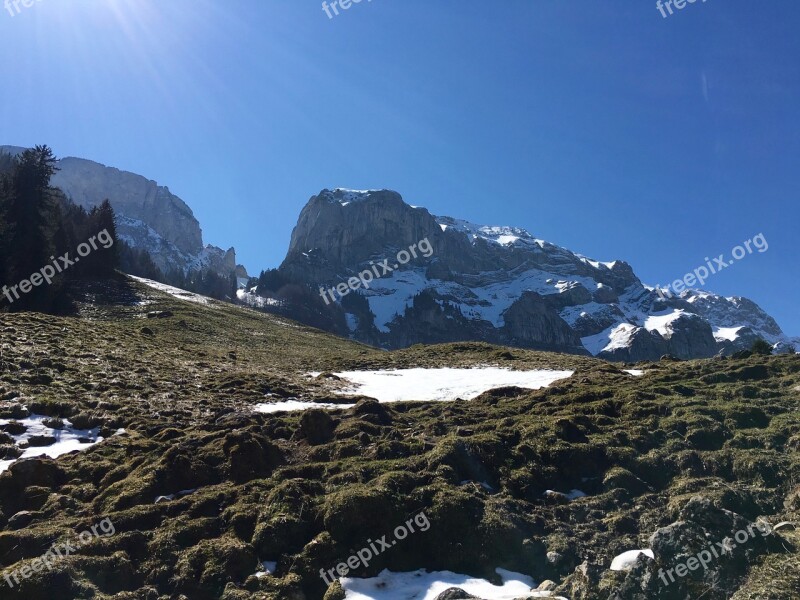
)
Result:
{"points": [[599, 126]]}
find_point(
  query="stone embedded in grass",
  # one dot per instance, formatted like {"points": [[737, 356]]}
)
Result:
{"points": [[37, 441], [14, 428]]}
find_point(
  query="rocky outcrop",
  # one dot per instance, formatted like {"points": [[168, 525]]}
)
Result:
{"points": [[500, 285], [532, 322]]}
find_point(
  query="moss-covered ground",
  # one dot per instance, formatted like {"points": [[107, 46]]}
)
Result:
{"points": [[309, 489]]}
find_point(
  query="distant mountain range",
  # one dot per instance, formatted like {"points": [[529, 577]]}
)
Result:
{"points": [[493, 284], [149, 216], [502, 285]]}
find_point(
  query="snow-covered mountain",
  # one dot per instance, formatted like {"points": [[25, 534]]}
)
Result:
{"points": [[501, 285], [150, 217]]}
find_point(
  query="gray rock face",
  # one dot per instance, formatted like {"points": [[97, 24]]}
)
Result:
{"points": [[532, 322], [88, 183], [500, 285], [149, 216]]}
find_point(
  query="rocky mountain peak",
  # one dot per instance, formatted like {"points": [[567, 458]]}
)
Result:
{"points": [[503, 285]]}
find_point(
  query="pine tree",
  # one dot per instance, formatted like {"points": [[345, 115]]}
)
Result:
{"points": [[102, 225], [33, 218]]}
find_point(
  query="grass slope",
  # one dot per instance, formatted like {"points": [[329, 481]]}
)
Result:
{"points": [[685, 443]]}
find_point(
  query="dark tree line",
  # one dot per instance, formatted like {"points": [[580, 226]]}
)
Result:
{"points": [[39, 226]]}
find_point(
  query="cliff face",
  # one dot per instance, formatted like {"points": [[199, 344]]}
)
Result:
{"points": [[88, 183], [501, 285], [149, 216]]}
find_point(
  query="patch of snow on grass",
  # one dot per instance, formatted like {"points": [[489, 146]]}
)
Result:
{"points": [[421, 585], [634, 372], [67, 439], [173, 291], [443, 384], [295, 405]]}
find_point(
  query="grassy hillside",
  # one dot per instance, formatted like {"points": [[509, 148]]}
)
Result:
{"points": [[687, 442]]}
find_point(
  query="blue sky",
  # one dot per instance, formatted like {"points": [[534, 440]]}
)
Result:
{"points": [[603, 128]]}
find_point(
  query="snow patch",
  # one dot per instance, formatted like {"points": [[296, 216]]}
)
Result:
{"points": [[295, 405], [254, 300], [662, 323], [726, 333], [67, 439], [268, 568], [443, 384], [173, 291], [421, 585], [634, 372], [627, 560]]}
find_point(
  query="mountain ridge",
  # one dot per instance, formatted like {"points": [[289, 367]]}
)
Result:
{"points": [[503, 285]]}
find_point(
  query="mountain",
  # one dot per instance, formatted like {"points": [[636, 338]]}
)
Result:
{"points": [[500, 285], [150, 217]]}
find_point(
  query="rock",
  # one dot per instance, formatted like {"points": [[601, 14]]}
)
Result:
{"points": [[21, 519], [640, 344], [43, 472], [146, 331], [546, 586], [531, 322], [373, 408], [159, 314], [553, 497], [335, 592], [14, 428], [581, 582], [38, 441], [619, 478], [570, 432], [554, 558], [53, 423], [455, 593], [10, 452], [317, 426]]}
